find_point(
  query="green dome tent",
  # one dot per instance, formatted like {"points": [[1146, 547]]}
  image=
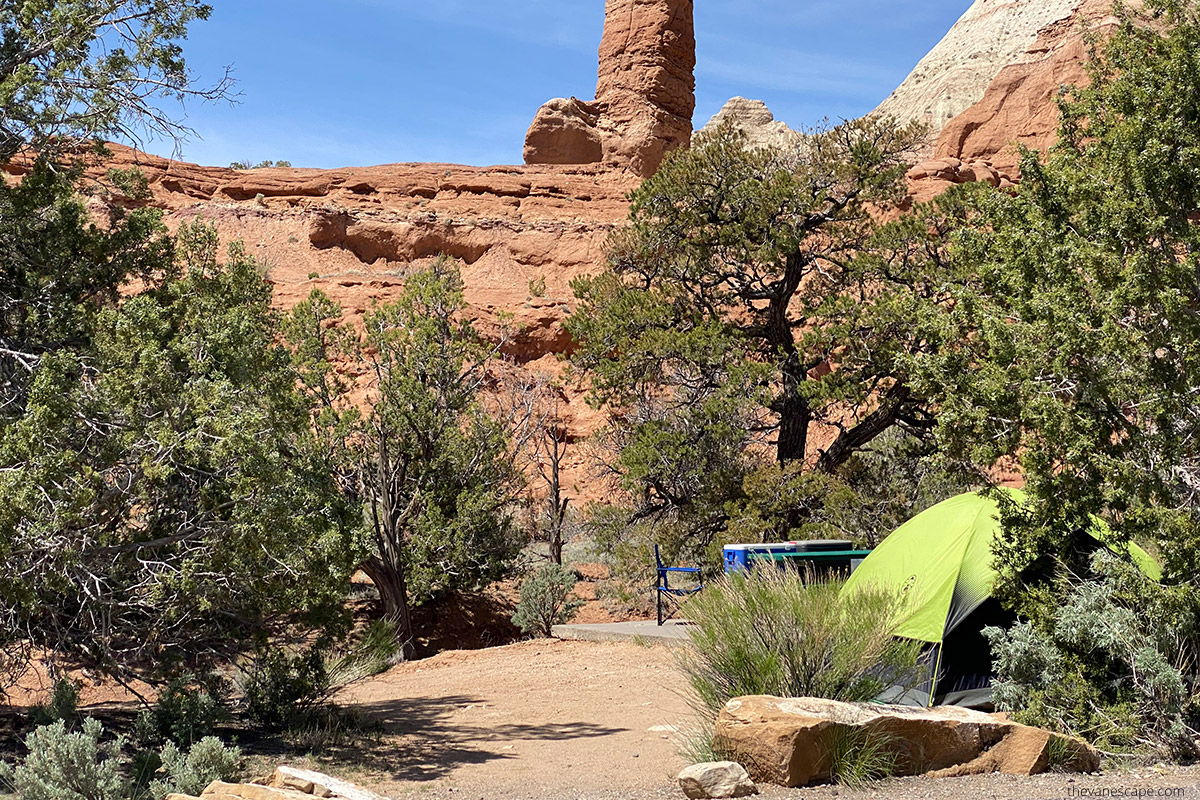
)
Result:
{"points": [[940, 562]]}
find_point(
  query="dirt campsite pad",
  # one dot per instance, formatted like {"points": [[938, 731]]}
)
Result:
{"points": [[542, 719], [577, 720]]}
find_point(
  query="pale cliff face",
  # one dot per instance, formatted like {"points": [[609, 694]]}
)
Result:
{"points": [[991, 35]]}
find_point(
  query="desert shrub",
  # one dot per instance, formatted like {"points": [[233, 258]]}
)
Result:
{"points": [[190, 772], [280, 688], [546, 600], [70, 765], [1114, 662], [185, 713], [698, 744], [375, 651], [63, 705], [769, 632]]}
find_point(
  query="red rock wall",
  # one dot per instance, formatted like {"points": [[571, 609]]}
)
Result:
{"points": [[1019, 107]]}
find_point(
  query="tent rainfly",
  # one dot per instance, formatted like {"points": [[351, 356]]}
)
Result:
{"points": [[940, 563]]}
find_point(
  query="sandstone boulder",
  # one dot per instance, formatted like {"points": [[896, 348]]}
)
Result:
{"points": [[790, 742], [645, 93], [286, 783], [565, 131], [716, 779]]}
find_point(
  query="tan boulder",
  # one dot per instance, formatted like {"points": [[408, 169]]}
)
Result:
{"points": [[286, 783], [716, 779], [321, 785], [565, 131], [219, 790], [790, 742]]}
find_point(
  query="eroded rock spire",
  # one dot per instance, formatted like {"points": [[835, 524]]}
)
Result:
{"points": [[645, 93]]}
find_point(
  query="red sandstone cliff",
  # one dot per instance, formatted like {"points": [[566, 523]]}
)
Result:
{"points": [[356, 233]]}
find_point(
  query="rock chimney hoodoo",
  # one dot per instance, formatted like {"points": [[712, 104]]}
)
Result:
{"points": [[645, 93]]}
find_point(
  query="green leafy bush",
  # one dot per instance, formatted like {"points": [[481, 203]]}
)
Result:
{"points": [[546, 600], [281, 688], [772, 633], [63, 705], [1113, 664], [66, 765], [186, 713], [206, 761]]}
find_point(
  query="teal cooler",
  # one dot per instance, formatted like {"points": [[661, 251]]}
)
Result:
{"points": [[739, 556]]}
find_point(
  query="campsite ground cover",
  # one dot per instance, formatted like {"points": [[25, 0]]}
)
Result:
{"points": [[557, 720]]}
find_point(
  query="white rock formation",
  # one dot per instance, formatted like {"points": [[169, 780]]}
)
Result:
{"points": [[755, 120], [991, 35]]}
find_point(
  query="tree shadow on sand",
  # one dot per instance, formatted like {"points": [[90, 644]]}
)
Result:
{"points": [[426, 738]]}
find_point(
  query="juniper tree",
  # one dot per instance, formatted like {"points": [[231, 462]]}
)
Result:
{"points": [[750, 311], [1072, 341], [433, 473]]}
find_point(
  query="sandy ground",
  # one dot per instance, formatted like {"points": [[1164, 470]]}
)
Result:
{"points": [[556, 720], [530, 720], [592, 721]]}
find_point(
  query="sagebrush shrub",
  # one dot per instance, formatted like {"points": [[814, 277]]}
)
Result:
{"points": [[189, 773], [1114, 663], [546, 600], [770, 632], [70, 765]]}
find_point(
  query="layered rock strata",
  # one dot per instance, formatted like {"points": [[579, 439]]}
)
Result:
{"points": [[990, 36], [1017, 106], [645, 93], [520, 235]]}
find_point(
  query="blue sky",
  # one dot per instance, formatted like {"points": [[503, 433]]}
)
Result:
{"points": [[356, 82]]}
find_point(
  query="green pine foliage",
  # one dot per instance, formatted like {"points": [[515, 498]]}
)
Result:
{"points": [[186, 712], [80, 72], [162, 489], [750, 340], [434, 474], [1072, 340]]}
